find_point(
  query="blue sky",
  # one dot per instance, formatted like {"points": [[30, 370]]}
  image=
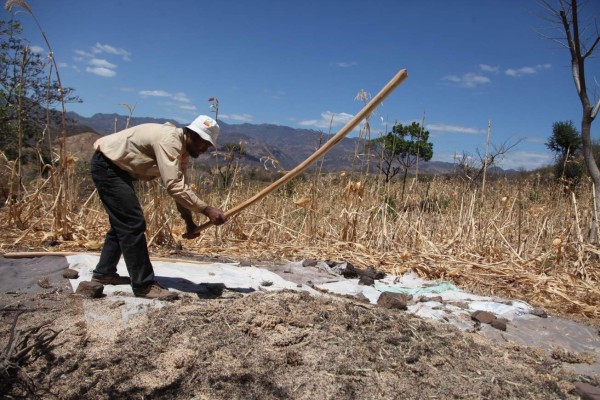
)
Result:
{"points": [[296, 63]]}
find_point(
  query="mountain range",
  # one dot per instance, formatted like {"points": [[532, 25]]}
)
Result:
{"points": [[262, 142]]}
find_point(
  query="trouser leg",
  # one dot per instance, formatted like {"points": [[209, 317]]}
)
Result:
{"points": [[110, 255], [128, 227]]}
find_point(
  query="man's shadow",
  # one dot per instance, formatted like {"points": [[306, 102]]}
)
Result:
{"points": [[203, 290]]}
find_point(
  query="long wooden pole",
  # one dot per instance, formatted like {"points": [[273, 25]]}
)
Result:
{"points": [[368, 109]]}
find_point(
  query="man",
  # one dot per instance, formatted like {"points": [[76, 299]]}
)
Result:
{"points": [[146, 152]]}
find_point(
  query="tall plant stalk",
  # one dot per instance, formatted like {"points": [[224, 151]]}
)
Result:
{"points": [[61, 225]]}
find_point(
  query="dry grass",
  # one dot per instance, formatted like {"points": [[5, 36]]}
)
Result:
{"points": [[526, 240]]}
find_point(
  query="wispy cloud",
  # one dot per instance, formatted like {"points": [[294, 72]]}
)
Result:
{"points": [[469, 80], [275, 94], [489, 68], [448, 128], [101, 71], [237, 117], [527, 160], [155, 93], [518, 72], [37, 49], [96, 62], [180, 100], [180, 96], [346, 64], [108, 49], [188, 107], [82, 54], [327, 118], [535, 139], [101, 66]]}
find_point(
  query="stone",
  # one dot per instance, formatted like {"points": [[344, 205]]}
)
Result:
{"points": [[425, 299], [539, 312], [92, 290], [393, 300], [309, 263], [366, 280], [587, 391], [117, 304], [70, 273], [500, 323], [484, 317]]}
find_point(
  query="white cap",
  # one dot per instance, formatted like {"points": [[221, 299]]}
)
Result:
{"points": [[206, 127]]}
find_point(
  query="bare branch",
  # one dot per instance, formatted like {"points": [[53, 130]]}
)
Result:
{"points": [[595, 110], [549, 7], [559, 41], [591, 49]]}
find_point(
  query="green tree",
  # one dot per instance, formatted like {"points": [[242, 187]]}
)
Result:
{"points": [[565, 139], [27, 94], [566, 143], [400, 149]]}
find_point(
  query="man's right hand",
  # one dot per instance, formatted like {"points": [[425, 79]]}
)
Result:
{"points": [[215, 215]]}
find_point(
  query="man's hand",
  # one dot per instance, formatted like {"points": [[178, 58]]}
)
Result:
{"points": [[215, 215]]}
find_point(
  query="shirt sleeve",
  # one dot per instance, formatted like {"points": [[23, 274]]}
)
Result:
{"points": [[168, 159]]}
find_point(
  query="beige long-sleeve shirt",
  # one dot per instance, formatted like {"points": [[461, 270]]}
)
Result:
{"points": [[149, 151]]}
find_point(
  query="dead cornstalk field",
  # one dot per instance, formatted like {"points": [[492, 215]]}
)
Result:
{"points": [[523, 238]]}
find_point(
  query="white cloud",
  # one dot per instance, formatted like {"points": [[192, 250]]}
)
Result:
{"points": [[101, 63], [82, 53], [154, 93], [469, 79], [100, 66], [345, 64], [489, 68], [37, 49], [187, 107], [448, 128], [526, 160], [277, 94], [536, 140], [182, 97], [101, 71], [518, 72], [326, 120], [108, 49], [237, 117]]}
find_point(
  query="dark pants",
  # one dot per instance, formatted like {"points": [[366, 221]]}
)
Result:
{"points": [[127, 234]]}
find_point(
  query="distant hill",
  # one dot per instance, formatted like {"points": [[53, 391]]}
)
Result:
{"points": [[290, 146]]}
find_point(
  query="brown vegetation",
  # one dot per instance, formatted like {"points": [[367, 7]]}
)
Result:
{"points": [[523, 238]]}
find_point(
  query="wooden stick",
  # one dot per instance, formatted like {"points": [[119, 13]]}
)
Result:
{"points": [[368, 109]]}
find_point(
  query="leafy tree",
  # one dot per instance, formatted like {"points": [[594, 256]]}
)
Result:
{"points": [[565, 139], [27, 94], [565, 142], [400, 149]]}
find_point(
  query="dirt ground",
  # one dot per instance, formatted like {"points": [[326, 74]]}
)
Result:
{"points": [[261, 345]]}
